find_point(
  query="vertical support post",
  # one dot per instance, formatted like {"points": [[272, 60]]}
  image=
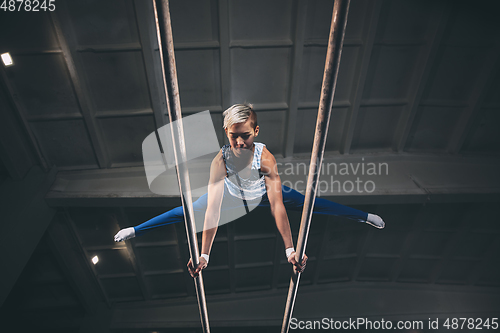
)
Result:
{"points": [[169, 73], [335, 42]]}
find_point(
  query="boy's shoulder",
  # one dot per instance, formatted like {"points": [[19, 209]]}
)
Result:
{"points": [[267, 159], [218, 159]]}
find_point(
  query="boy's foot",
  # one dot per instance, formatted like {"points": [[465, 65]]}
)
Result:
{"points": [[375, 221], [125, 234]]}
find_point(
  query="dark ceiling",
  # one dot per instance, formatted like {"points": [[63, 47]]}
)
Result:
{"points": [[417, 89]]}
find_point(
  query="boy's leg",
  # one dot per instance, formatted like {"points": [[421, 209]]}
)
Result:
{"points": [[172, 216], [294, 200]]}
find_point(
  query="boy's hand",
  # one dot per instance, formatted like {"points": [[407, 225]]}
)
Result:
{"points": [[195, 272], [299, 268]]}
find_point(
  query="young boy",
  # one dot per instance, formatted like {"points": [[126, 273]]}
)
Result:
{"points": [[244, 173]]}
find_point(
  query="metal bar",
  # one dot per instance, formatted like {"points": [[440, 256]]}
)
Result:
{"points": [[169, 72], [335, 41]]}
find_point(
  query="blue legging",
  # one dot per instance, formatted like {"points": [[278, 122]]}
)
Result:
{"points": [[292, 200]]}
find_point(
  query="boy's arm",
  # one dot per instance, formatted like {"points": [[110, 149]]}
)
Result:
{"points": [[212, 215], [273, 187]]}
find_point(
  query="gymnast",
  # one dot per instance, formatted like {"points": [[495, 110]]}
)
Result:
{"points": [[244, 174]]}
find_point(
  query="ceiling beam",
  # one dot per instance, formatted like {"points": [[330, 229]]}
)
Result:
{"points": [[429, 53], [131, 249], [225, 56], [398, 178], [67, 42], [489, 260], [290, 124], [322, 248], [15, 152], [180, 232], [409, 243], [25, 218], [448, 252], [20, 110], [152, 62], [84, 255], [358, 86], [231, 256], [61, 241]]}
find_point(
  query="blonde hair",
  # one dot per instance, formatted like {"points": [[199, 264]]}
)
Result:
{"points": [[239, 113]]}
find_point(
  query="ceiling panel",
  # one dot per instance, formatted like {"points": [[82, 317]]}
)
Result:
{"points": [[457, 271], [443, 216], [254, 278], [311, 75], [491, 274], [260, 76], [126, 288], [25, 30], [376, 269], [216, 281], [314, 245], [166, 285], [199, 78], [484, 217], [343, 242], [124, 137], [456, 74], [159, 258], [103, 22], [432, 128], [473, 245], [65, 143], [260, 20], [244, 251], [390, 72], [313, 65], [194, 20], [485, 138], [95, 226], [44, 84], [319, 15], [375, 127], [388, 243], [336, 270], [431, 244], [417, 270], [114, 261], [306, 125], [116, 80], [271, 130], [482, 24], [405, 20], [492, 97]]}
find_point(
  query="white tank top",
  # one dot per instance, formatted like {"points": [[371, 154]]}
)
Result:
{"points": [[250, 188]]}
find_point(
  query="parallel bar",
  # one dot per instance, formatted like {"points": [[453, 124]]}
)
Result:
{"points": [[169, 71], [335, 41]]}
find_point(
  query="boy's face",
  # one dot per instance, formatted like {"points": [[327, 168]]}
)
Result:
{"points": [[241, 135]]}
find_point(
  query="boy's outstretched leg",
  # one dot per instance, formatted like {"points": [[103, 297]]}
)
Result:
{"points": [[294, 200]]}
